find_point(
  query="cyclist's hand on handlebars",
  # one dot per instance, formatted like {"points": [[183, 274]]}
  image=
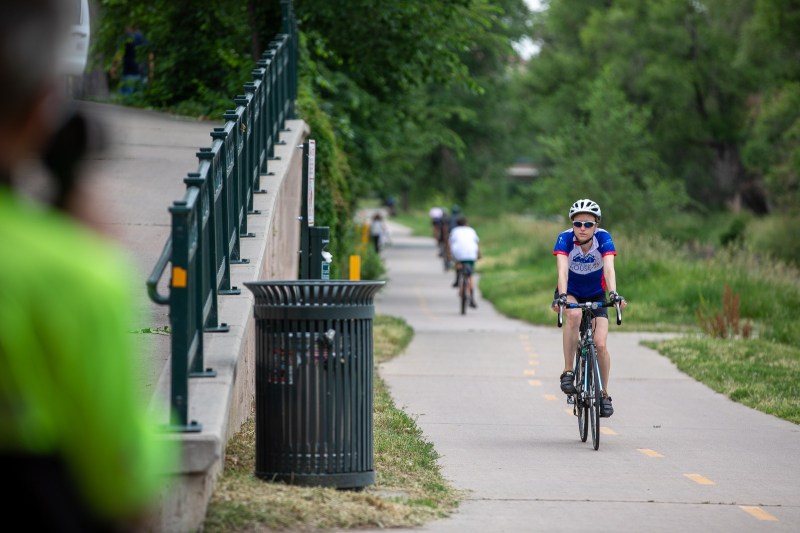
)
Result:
{"points": [[561, 300], [617, 298]]}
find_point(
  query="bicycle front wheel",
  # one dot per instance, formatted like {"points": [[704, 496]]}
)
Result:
{"points": [[594, 396], [580, 406]]}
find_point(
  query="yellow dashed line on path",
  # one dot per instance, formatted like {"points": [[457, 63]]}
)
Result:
{"points": [[550, 397], [700, 480], [535, 382], [607, 431], [534, 363], [528, 372], [650, 453], [423, 304], [758, 512]]}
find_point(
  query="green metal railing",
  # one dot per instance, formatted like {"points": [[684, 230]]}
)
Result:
{"points": [[210, 220]]}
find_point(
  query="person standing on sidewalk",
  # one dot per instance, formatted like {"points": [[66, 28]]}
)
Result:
{"points": [[585, 263], [78, 449], [378, 232]]}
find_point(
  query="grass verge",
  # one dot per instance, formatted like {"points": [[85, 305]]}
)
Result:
{"points": [[761, 374], [409, 489]]}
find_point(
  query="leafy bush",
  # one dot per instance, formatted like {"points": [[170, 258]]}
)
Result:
{"points": [[767, 236]]}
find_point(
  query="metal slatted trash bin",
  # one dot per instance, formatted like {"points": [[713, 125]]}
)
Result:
{"points": [[314, 363]]}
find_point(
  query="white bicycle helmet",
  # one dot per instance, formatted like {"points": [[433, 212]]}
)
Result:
{"points": [[585, 206]]}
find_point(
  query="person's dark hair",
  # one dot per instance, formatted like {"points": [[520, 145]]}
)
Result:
{"points": [[31, 33], [461, 221]]}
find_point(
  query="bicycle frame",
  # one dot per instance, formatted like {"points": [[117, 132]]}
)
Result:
{"points": [[589, 382]]}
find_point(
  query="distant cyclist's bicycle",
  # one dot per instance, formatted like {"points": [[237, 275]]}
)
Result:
{"points": [[465, 293], [444, 253], [589, 396]]}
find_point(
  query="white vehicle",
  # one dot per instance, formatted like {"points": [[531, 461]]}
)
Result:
{"points": [[77, 47]]}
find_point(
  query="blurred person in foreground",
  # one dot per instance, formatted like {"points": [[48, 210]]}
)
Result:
{"points": [[79, 450]]}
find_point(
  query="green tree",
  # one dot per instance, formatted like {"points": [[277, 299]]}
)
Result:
{"points": [[679, 60], [610, 157], [771, 43]]}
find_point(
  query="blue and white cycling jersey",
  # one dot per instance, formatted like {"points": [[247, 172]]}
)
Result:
{"points": [[585, 278]]}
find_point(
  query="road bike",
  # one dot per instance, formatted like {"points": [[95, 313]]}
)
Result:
{"points": [[444, 253], [587, 400], [465, 293]]}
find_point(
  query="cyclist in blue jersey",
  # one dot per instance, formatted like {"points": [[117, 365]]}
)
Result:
{"points": [[585, 262]]}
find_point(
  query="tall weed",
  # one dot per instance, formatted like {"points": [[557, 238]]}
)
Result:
{"points": [[724, 323]]}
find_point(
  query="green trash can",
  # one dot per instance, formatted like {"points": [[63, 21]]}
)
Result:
{"points": [[314, 363]]}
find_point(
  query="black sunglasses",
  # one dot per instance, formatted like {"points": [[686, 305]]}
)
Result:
{"points": [[578, 224]]}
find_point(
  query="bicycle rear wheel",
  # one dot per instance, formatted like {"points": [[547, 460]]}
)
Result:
{"points": [[580, 406], [464, 290], [594, 396]]}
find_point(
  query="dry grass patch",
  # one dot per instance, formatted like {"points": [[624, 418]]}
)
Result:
{"points": [[409, 489]]}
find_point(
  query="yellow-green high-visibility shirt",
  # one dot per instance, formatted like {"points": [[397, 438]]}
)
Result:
{"points": [[67, 368]]}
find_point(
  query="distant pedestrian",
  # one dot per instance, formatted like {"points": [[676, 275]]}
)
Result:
{"points": [[378, 232], [136, 64], [78, 450]]}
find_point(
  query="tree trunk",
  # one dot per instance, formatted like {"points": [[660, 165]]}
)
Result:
{"points": [[740, 189], [255, 41]]}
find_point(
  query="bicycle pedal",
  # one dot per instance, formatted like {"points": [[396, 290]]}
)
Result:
{"points": [[570, 399]]}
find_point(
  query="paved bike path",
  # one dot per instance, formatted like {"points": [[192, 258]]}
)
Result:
{"points": [[484, 391]]}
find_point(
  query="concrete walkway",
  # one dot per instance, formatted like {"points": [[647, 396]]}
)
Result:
{"points": [[484, 389]]}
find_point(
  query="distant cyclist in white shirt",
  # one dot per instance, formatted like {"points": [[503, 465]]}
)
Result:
{"points": [[464, 248]]}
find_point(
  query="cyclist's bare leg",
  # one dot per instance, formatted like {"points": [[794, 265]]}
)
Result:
{"points": [[603, 357], [572, 324]]}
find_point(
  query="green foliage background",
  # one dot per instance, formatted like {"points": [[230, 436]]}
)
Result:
{"points": [[667, 113]]}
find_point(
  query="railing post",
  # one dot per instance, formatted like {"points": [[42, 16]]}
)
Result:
{"points": [[187, 338], [239, 171], [289, 25], [274, 111], [265, 63], [207, 284], [249, 167], [227, 137]]}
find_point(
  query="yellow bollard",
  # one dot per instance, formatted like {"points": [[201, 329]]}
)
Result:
{"points": [[365, 233], [355, 268]]}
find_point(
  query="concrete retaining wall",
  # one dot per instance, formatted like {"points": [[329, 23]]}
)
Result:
{"points": [[221, 404]]}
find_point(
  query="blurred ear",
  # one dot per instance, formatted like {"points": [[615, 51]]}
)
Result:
{"points": [[25, 135]]}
